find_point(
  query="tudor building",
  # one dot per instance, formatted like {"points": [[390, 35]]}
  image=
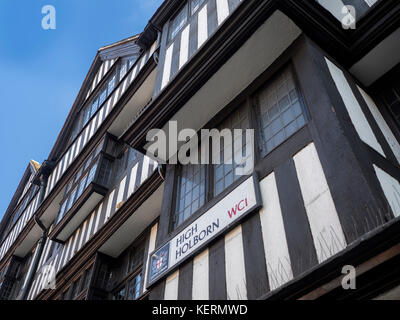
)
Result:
{"points": [[108, 221]]}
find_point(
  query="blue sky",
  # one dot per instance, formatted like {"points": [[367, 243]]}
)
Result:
{"points": [[42, 71]]}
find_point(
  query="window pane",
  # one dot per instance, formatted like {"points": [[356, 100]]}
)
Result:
{"points": [[281, 113], [61, 213], [131, 62], [195, 5], [190, 190], [92, 173], [86, 115], [71, 200], [95, 105], [225, 172], [134, 288], [111, 84], [82, 186], [103, 96], [105, 172], [124, 68], [178, 22]]}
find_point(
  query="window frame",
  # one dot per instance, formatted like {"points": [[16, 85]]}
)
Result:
{"points": [[256, 109], [187, 5]]}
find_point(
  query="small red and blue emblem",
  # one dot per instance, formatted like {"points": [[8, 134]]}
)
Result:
{"points": [[159, 262]]}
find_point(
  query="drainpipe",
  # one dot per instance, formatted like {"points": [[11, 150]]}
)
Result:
{"points": [[40, 246]]}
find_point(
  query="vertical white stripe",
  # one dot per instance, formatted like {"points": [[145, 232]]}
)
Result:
{"points": [[353, 108], [132, 181], [145, 169], [153, 48], [222, 10], [202, 34], [90, 226], [200, 290], [66, 258], [391, 189], [98, 215], [93, 125], [102, 70], [45, 251], [167, 66], [387, 132], [76, 236], [82, 235], [65, 161], [321, 212], [108, 108], [121, 191], [133, 74], [86, 133], [274, 237], [59, 168], [142, 62], [171, 286], [116, 97], [109, 205], [124, 84], [73, 152], [152, 246], [107, 66], [234, 265], [68, 248], [184, 51]]}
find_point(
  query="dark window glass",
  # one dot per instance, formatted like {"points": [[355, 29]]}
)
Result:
{"points": [[224, 173], [103, 96], [103, 277], [86, 115], [178, 22], [120, 295], [195, 5], [75, 289], [136, 258], [82, 186], [134, 288], [111, 84], [190, 194], [280, 109], [95, 106], [124, 69], [92, 173], [105, 172]]}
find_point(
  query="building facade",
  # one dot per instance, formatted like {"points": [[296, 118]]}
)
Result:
{"points": [[105, 218]]}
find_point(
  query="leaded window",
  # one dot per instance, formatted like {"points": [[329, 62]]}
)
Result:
{"points": [[178, 22], [280, 111], [195, 5], [190, 192], [230, 158]]}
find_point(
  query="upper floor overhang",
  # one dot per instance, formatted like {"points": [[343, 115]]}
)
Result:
{"points": [[346, 46]]}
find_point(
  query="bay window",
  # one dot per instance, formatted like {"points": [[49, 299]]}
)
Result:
{"points": [[275, 111]]}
